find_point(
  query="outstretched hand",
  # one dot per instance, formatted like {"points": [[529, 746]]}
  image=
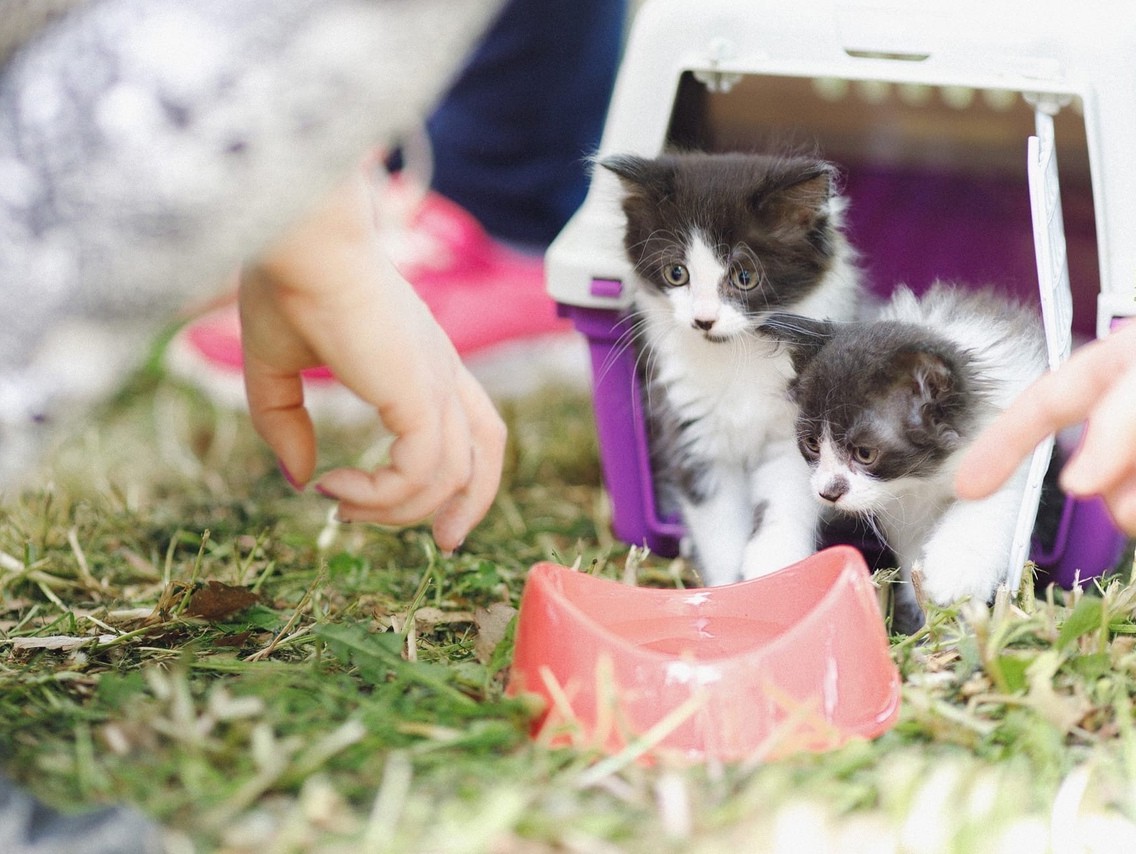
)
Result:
{"points": [[1097, 386], [327, 295]]}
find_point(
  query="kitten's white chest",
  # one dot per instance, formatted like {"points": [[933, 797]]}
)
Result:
{"points": [[733, 393]]}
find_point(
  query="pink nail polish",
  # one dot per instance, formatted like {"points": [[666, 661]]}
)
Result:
{"points": [[288, 476], [319, 488]]}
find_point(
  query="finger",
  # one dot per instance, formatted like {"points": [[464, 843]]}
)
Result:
{"points": [[352, 488], [457, 517], [276, 407], [1121, 502], [1099, 464], [1054, 401], [427, 465], [387, 496], [999, 449]]}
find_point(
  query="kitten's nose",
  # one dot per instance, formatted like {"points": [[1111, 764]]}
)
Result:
{"points": [[703, 324], [836, 487]]}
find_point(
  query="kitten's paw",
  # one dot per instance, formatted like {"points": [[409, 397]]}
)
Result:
{"points": [[765, 555], [716, 576], [713, 570], [963, 574]]}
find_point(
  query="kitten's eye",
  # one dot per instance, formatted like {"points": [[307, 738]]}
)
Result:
{"points": [[742, 278], [810, 444], [676, 274], [864, 455]]}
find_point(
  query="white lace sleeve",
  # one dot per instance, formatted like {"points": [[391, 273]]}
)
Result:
{"points": [[148, 146]]}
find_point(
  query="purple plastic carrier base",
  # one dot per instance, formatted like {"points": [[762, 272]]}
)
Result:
{"points": [[1087, 544], [622, 433]]}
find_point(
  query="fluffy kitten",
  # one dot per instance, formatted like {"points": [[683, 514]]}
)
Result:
{"points": [[718, 241], [887, 406]]}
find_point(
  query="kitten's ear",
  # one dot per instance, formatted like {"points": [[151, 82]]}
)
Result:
{"points": [[804, 336], [639, 175], [932, 381], [798, 203], [932, 378]]}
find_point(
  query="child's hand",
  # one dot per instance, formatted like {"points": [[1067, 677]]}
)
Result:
{"points": [[327, 295], [1097, 385]]}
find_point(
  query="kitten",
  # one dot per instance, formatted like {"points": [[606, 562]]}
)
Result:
{"points": [[885, 409], [718, 241]]}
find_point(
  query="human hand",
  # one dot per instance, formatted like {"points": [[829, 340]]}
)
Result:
{"points": [[1097, 385], [327, 295]]}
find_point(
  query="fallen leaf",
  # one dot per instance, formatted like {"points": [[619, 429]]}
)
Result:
{"points": [[428, 616], [62, 642], [236, 641], [492, 623], [217, 600]]}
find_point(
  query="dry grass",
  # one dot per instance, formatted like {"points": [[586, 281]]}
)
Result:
{"points": [[182, 632]]}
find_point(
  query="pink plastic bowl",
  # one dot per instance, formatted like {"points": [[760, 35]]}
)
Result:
{"points": [[797, 660]]}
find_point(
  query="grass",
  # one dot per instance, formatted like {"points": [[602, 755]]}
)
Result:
{"points": [[180, 631]]}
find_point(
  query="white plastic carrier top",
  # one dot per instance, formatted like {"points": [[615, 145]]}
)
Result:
{"points": [[1047, 49]]}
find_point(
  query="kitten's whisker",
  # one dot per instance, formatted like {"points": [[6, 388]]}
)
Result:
{"points": [[873, 523], [625, 340], [781, 322]]}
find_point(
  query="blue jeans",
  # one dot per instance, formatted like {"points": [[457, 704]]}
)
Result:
{"points": [[512, 136]]}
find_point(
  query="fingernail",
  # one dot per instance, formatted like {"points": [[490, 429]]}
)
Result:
{"points": [[288, 476], [325, 492]]}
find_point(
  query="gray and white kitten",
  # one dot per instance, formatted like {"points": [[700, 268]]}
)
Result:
{"points": [[886, 408], [718, 241]]}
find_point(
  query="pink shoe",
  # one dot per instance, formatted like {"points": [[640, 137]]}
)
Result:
{"points": [[489, 299], [482, 293]]}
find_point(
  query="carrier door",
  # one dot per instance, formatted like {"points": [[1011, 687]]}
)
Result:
{"points": [[1056, 302]]}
